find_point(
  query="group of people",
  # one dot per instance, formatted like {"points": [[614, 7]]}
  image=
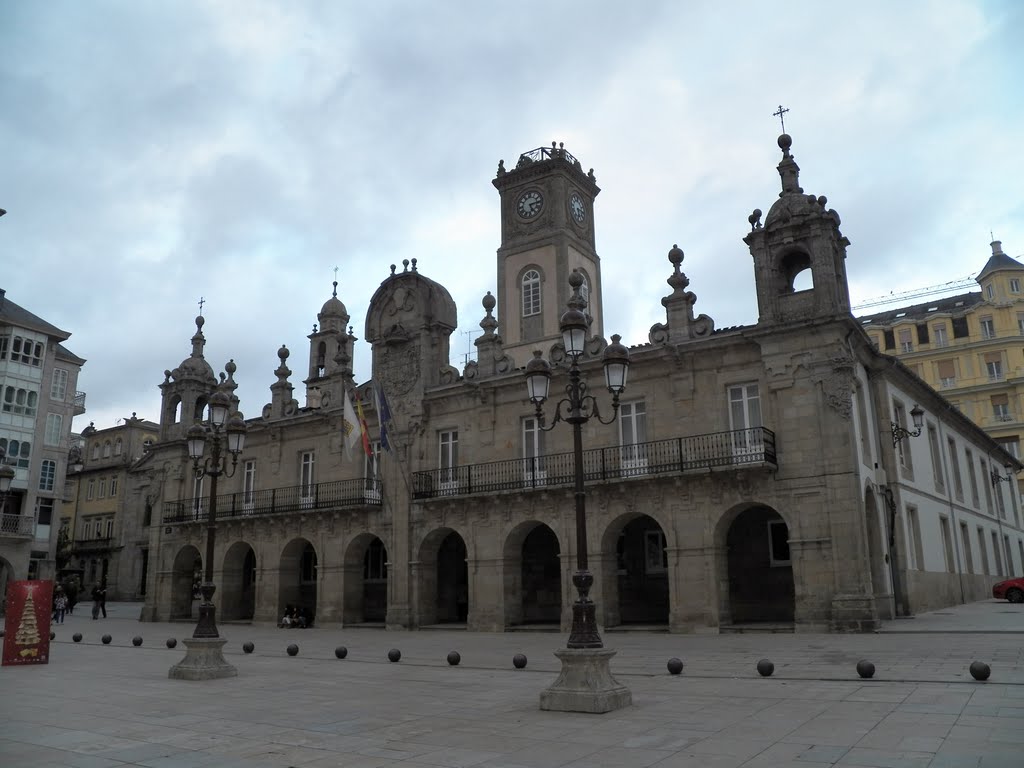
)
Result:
{"points": [[296, 617], [64, 603]]}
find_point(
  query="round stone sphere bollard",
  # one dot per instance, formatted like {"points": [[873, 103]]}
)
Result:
{"points": [[454, 658], [53, 635], [171, 642], [394, 655], [137, 641], [765, 668], [865, 669], [980, 671], [248, 647], [77, 637], [675, 666], [341, 652], [293, 650], [106, 639], [519, 661]]}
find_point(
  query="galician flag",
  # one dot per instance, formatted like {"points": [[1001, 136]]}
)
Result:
{"points": [[349, 426]]}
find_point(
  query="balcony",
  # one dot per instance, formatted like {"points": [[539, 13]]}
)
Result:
{"points": [[338, 494], [17, 525], [92, 544], [739, 448], [79, 403]]}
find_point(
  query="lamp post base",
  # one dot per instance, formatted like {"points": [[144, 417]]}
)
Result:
{"points": [[585, 684], [204, 660]]}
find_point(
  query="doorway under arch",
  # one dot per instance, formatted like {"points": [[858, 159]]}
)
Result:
{"points": [[533, 575], [238, 602], [297, 578], [443, 578], [881, 581], [636, 572], [366, 581], [186, 576], [759, 570]]}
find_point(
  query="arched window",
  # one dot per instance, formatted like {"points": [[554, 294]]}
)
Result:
{"points": [[531, 293], [118, 447], [106, 450], [95, 450]]}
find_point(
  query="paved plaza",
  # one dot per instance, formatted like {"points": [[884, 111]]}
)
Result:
{"points": [[95, 705]]}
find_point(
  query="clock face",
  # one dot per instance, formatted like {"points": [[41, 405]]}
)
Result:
{"points": [[577, 209], [529, 204]]}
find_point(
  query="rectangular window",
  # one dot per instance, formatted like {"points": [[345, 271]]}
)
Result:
{"points": [[998, 555], [972, 477], [4, 345], [54, 423], [778, 543], [1009, 554], [90, 490], [1001, 408], [990, 291], [633, 437], [448, 455], [916, 547], [906, 340], [47, 475], [655, 556], [102, 492], [941, 339], [113, 486], [947, 544], [44, 511], [988, 328], [248, 485], [933, 446], [988, 487], [946, 370], [109, 528], [922, 333], [983, 549], [534, 466], [1020, 323], [531, 293], [890, 340], [965, 542], [994, 366], [960, 328], [1010, 444], [1014, 285], [307, 460], [954, 469], [59, 384]]}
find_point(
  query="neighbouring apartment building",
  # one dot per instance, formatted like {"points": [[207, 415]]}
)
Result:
{"points": [[107, 528], [766, 474], [38, 400]]}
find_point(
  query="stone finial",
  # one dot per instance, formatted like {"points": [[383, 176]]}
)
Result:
{"points": [[789, 171], [501, 168], [997, 248], [754, 219]]}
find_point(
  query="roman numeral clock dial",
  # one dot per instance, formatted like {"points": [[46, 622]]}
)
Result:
{"points": [[529, 204]]}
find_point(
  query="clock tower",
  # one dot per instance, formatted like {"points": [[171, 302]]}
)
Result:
{"points": [[547, 231]]}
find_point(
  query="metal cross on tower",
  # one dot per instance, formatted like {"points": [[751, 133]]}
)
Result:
{"points": [[781, 114], [201, 302]]}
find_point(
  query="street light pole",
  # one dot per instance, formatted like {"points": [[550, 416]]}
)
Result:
{"points": [[586, 683], [204, 657]]}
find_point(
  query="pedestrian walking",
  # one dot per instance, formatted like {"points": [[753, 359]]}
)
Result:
{"points": [[95, 602], [103, 598], [60, 606]]}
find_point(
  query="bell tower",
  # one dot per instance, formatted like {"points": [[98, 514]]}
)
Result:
{"points": [[547, 231], [800, 238]]}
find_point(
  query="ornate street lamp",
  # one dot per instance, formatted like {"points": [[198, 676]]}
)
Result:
{"points": [[899, 432], [586, 683], [204, 658]]}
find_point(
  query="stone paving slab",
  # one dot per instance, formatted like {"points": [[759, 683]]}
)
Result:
{"points": [[98, 705]]}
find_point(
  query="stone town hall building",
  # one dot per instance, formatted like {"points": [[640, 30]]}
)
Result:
{"points": [[751, 475]]}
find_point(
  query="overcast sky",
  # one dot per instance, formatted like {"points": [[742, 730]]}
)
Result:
{"points": [[155, 152]]}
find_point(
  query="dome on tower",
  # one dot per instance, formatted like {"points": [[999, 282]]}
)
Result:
{"points": [[333, 308]]}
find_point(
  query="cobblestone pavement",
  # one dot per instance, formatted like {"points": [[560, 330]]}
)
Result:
{"points": [[97, 705]]}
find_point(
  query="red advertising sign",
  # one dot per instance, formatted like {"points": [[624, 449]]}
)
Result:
{"points": [[27, 629]]}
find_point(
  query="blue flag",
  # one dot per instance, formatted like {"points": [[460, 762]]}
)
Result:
{"points": [[384, 415]]}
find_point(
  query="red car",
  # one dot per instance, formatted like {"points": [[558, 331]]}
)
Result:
{"points": [[1012, 590]]}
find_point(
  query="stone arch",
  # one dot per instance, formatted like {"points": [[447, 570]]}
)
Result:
{"points": [[365, 568], [297, 577], [238, 598], [533, 575], [755, 571], [795, 271], [185, 577], [636, 575], [878, 560], [443, 581]]}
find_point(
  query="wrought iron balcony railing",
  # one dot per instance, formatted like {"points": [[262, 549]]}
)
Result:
{"points": [[17, 525], [743, 447], [93, 543], [336, 494]]}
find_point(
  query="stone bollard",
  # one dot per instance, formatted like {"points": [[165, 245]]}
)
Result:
{"points": [[341, 652], [77, 637], [171, 642], [765, 668], [865, 669], [519, 661], [394, 655], [137, 641], [106, 639], [675, 666], [454, 658], [248, 647], [980, 671], [293, 650]]}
